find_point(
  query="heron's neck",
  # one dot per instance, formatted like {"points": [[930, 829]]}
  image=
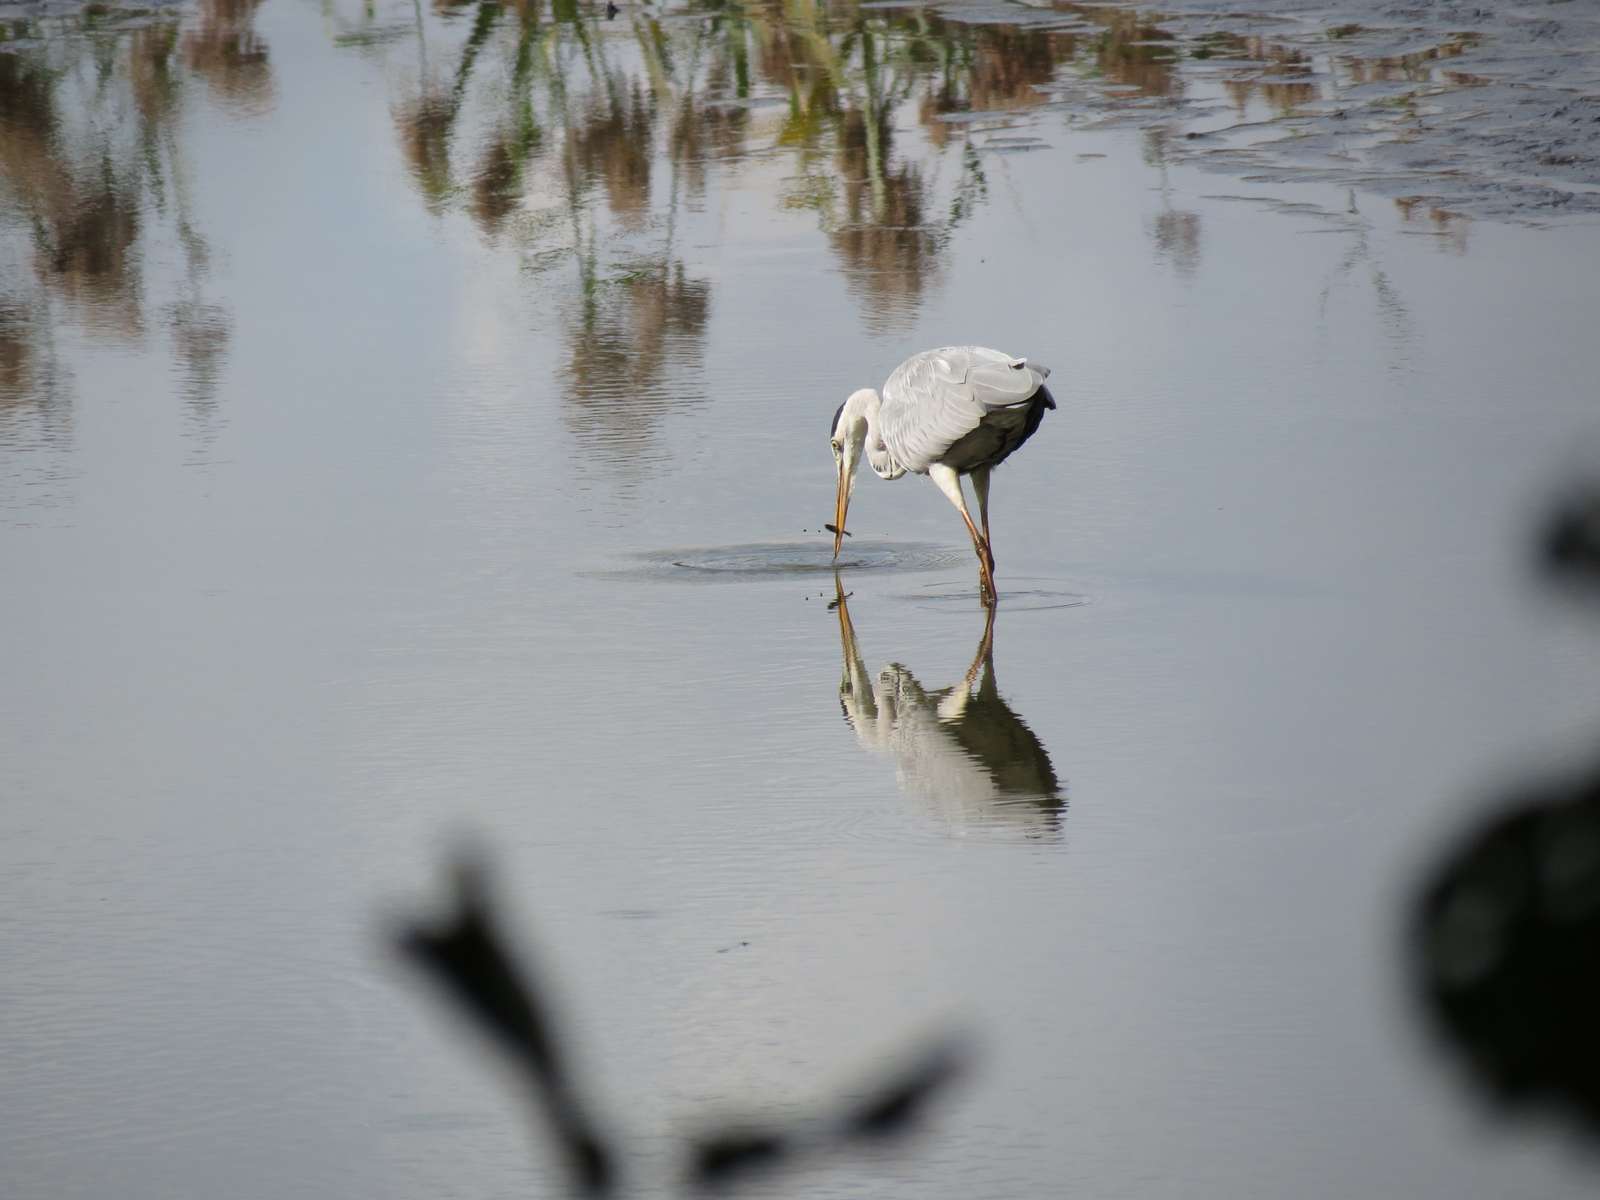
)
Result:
{"points": [[866, 405], [863, 412]]}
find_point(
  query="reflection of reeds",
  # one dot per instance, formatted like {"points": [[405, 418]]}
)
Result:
{"points": [[1417, 66], [200, 336], [613, 141], [1176, 232], [1134, 53], [845, 70], [988, 68], [1276, 83], [154, 82], [20, 360], [84, 213], [225, 50], [888, 251], [702, 132], [494, 183], [1450, 228], [87, 250], [95, 178], [627, 332], [425, 122], [1177, 236]]}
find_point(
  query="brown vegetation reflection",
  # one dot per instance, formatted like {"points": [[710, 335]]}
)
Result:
{"points": [[75, 203], [225, 50], [1422, 215], [1285, 82], [1176, 232], [1417, 66], [582, 136], [93, 181], [1133, 51], [642, 112], [29, 378]]}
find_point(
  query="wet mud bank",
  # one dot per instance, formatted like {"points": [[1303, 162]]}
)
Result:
{"points": [[1452, 109]]}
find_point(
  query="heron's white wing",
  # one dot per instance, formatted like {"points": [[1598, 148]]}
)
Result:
{"points": [[934, 399]]}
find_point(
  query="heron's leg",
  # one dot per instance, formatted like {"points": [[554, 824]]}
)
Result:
{"points": [[983, 660], [980, 488], [950, 484]]}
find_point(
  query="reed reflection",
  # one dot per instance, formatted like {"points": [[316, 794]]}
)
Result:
{"points": [[1133, 51], [225, 50], [32, 404], [608, 107], [1417, 66], [588, 141], [1176, 232], [1283, 78], [961, 751], [94, 181]]}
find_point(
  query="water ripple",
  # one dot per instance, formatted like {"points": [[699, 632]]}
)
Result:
{"points": [[787, 558]]}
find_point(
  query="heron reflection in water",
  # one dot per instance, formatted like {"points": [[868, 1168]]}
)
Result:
{"points": [[961, 750]]}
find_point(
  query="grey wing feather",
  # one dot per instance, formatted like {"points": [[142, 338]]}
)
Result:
{"points": [[934, 399]]}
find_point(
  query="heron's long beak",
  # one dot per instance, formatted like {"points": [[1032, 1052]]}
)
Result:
{"points": [[842, 501], [855, 688]]}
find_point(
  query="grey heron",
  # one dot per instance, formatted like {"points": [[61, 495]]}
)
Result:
{"points": [[945, 413], [963, 752]]}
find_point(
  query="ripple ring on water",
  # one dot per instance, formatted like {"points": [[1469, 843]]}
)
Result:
{"points": [[772, 559], [1019, 597]]}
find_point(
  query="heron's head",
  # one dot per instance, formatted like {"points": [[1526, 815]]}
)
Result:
{"points": [[848, 436]]}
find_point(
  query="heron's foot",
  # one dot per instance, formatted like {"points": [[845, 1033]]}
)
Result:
{"points": [[986, 590], [986, 555]]}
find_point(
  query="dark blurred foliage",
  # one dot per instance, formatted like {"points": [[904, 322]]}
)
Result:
{"points": [[467, 957], [892, 1107], [1506, 931], [1508, 947], [1570, 548]]}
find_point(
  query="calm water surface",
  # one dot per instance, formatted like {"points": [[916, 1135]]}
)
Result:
{"points": [[412, 421]]}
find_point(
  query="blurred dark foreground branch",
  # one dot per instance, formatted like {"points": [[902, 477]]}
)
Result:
{"points": [[1506, 929], [1570, 547], [466, 955], [891, 1108]]}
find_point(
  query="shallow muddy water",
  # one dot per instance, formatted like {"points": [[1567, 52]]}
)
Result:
{"points": [[412, 424]]}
